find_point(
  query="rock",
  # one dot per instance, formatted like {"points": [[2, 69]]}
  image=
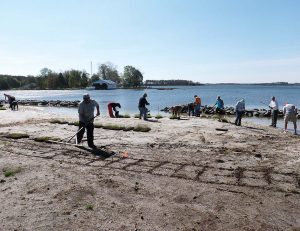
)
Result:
{"points": [[258, 155], [2, 181]]}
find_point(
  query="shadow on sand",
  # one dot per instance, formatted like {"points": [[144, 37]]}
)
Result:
{"points": [[103, 154]]}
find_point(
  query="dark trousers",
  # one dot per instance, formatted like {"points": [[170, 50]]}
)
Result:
{"points": [[89, 130], [274, 117], [238, 119]]}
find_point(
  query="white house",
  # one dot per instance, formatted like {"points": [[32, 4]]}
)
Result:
{"points": [[104, 84]]}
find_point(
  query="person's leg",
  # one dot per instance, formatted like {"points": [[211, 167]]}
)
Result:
{"points": [[81, 133], [275, 117], [240, 118], [236, 118], [141, 112], [145, 110], [90, 134]]}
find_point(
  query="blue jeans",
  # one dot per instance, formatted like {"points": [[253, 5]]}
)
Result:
{"points": [[143, 112], [238, 119], [197, 110]]}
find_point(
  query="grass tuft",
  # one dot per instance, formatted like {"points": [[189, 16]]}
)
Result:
{"points": [[75, 123], [126, 129], [89, 207], [57, 121], [158, 116], [113, 127], [11, 171], [126, 116], [141, 128], [174, 117], [46, 139], [98, 125], [17, 136]]}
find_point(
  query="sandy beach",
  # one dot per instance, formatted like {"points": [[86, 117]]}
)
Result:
{"points": [[181, 175]]}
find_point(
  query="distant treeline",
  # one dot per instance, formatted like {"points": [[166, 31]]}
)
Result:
{"points": [[172, 82], [72, 79]]}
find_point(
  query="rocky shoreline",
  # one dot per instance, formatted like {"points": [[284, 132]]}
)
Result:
{"points": [[209, 110], [50, 103]]}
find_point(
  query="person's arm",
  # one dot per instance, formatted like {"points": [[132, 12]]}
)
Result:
{"points": [[146, 102], [98, 110]]}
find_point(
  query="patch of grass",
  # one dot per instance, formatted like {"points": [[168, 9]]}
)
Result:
{"points": [[98, 125], [75, 123], [17, 135], [2, 108], [149, 116], [89, 207], [57, 121], [158, 116], [141, 128], [113, 127], [174, 117], [11, 171], [137, 116], [126, 129], [126, 116], [46, 139]]}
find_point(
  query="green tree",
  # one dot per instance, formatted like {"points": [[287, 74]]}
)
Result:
{"points": [[95, 78], [3, 84], [62, 83], [84, 80], [132, 77], [45, 72], [108, 71], [74, 78]]}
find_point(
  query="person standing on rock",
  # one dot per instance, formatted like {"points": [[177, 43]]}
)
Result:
{"points": [[142, 106], [239, 110], [197, 105], [86, 119], [274, 111], [219, 107], [290, 114]]}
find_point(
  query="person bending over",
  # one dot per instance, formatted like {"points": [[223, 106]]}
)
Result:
{"points": [[113, 107], [290, 114]]}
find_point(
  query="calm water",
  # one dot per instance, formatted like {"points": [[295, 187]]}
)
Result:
{"points": [[159, 99]]}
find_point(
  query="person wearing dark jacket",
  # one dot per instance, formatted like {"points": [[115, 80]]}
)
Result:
{"points": [[142, 107]]}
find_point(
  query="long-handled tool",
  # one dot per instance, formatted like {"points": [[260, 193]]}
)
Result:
{"points": [[81, 129]]}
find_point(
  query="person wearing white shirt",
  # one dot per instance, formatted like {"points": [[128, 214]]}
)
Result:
{"points": [[274, 111]]}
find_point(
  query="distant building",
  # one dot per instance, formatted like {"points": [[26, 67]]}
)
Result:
{"points": [[104, 84]]}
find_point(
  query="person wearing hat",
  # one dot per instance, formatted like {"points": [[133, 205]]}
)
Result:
{"points": [[142, 107], [239, 110], [86, 119]]}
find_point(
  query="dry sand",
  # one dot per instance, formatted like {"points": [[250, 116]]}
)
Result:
{"points": [[182, 175]]}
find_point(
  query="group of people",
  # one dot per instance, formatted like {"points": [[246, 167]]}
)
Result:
{"points": [[289, 111]]}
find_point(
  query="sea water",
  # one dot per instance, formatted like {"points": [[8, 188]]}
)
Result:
{"points": [[256, 96]]}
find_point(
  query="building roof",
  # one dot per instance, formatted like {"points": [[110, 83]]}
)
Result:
{"points": [[102, 81]]}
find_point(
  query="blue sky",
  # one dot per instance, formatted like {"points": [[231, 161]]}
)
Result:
{"points": [[208, 41]]}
